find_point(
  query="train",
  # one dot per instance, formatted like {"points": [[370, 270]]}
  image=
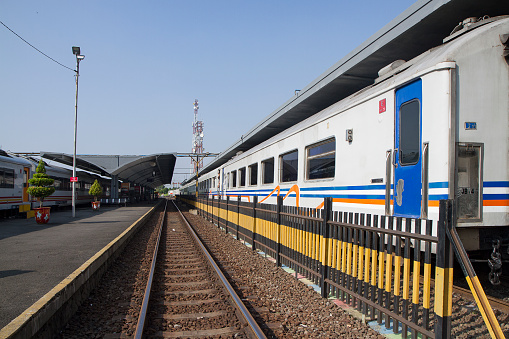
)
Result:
{"points": [[15, 171], [430, 128]]}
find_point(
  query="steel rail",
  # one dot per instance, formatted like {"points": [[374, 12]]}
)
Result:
{"points": [[499, 304], [253, 325], [144, 306]]}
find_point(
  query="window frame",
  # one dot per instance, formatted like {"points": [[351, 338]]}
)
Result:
{"points": [[234, 178], [308, 157], [263, 162], [400, 151], [3, 182], [250, 170], [242, 170], [281, 169]]}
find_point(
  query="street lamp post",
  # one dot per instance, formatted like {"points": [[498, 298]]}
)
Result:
{"points": [[79, 57]]}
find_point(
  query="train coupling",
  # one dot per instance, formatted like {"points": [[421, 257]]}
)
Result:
{"points": [[495, 263]]}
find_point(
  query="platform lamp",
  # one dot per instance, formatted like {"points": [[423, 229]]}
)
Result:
{"points": [[79, 57]]}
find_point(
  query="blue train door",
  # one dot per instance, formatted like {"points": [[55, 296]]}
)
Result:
{"points": [[408, 160]]}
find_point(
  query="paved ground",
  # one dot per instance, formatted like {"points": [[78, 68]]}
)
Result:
{"points": [[35, 258]]}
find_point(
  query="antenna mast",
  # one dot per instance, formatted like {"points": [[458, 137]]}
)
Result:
{"points": [[197, 139]]}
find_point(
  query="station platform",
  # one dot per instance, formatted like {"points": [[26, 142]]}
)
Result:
{"points": [[35, 258]]}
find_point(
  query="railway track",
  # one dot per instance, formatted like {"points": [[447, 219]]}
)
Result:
{"points": [[187, 294], [499, 304]]}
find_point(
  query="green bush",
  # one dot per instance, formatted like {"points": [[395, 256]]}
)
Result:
{"points": [[96, 190], [41, 184]]}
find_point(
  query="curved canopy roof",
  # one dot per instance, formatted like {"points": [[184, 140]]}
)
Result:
{"points": [[144, 170], [422, 26]]}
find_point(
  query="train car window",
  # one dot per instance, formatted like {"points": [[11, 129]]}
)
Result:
{"points": [[57, 183], [409, 133], [234, 179], [2, 178], [289, 166], [242, 177], [268, 171], [253, 174], [228, 184], [321, 160], [6, 178]]}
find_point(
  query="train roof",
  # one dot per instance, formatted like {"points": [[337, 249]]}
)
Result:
{"points": [[437, 58], [5, 157], [421, 27]]}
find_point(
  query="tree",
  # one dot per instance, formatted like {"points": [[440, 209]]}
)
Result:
{"points": [[41, 184], [96, 190], [162, 190]]}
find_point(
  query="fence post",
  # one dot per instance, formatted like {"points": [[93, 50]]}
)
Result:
{"points": [[207, 207], [324, 232], [444, 273], [278, 243], [238, 216], [217, 211], [253, 237], [227, 216]]}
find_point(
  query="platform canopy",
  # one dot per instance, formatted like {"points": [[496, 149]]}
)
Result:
{"points": [[144, 170], [420, 27]]}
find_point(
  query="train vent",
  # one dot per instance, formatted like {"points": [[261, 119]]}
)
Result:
{"points": [[391, 69], [470, 24]]}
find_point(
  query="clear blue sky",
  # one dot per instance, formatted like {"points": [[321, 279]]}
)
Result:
{"points": [[146, 62]]}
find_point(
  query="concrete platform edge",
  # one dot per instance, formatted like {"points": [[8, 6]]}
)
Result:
{"points": [[69, 292]]}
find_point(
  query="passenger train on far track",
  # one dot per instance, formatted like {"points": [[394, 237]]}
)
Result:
{"points": [[431, 128], [15, 171]]}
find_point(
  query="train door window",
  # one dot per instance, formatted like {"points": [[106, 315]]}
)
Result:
{"points": [[25, 178], [234, 179], [242, 177], [469, 182], [409, 143], [228, 184], [321, 160], [289, 166], [253, 174], [268, 171]]}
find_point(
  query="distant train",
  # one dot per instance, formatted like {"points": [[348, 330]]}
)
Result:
{"points": [[15, 171], [431, 128]]}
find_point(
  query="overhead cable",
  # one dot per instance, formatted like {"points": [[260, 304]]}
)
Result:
{"points": [[47, 56]]}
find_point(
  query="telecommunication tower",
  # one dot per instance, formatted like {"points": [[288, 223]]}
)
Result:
{"points": [[197, 139]]}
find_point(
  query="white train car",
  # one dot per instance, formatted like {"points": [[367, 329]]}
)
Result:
{"points": [[431, 128], [14, 175], [63, 187], [15, 171]]}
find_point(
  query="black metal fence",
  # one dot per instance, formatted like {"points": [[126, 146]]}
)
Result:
{"points": [[380, 265]]}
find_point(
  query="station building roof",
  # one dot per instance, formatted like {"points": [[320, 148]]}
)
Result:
{"points": [[144, 170], [422, 26]]}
